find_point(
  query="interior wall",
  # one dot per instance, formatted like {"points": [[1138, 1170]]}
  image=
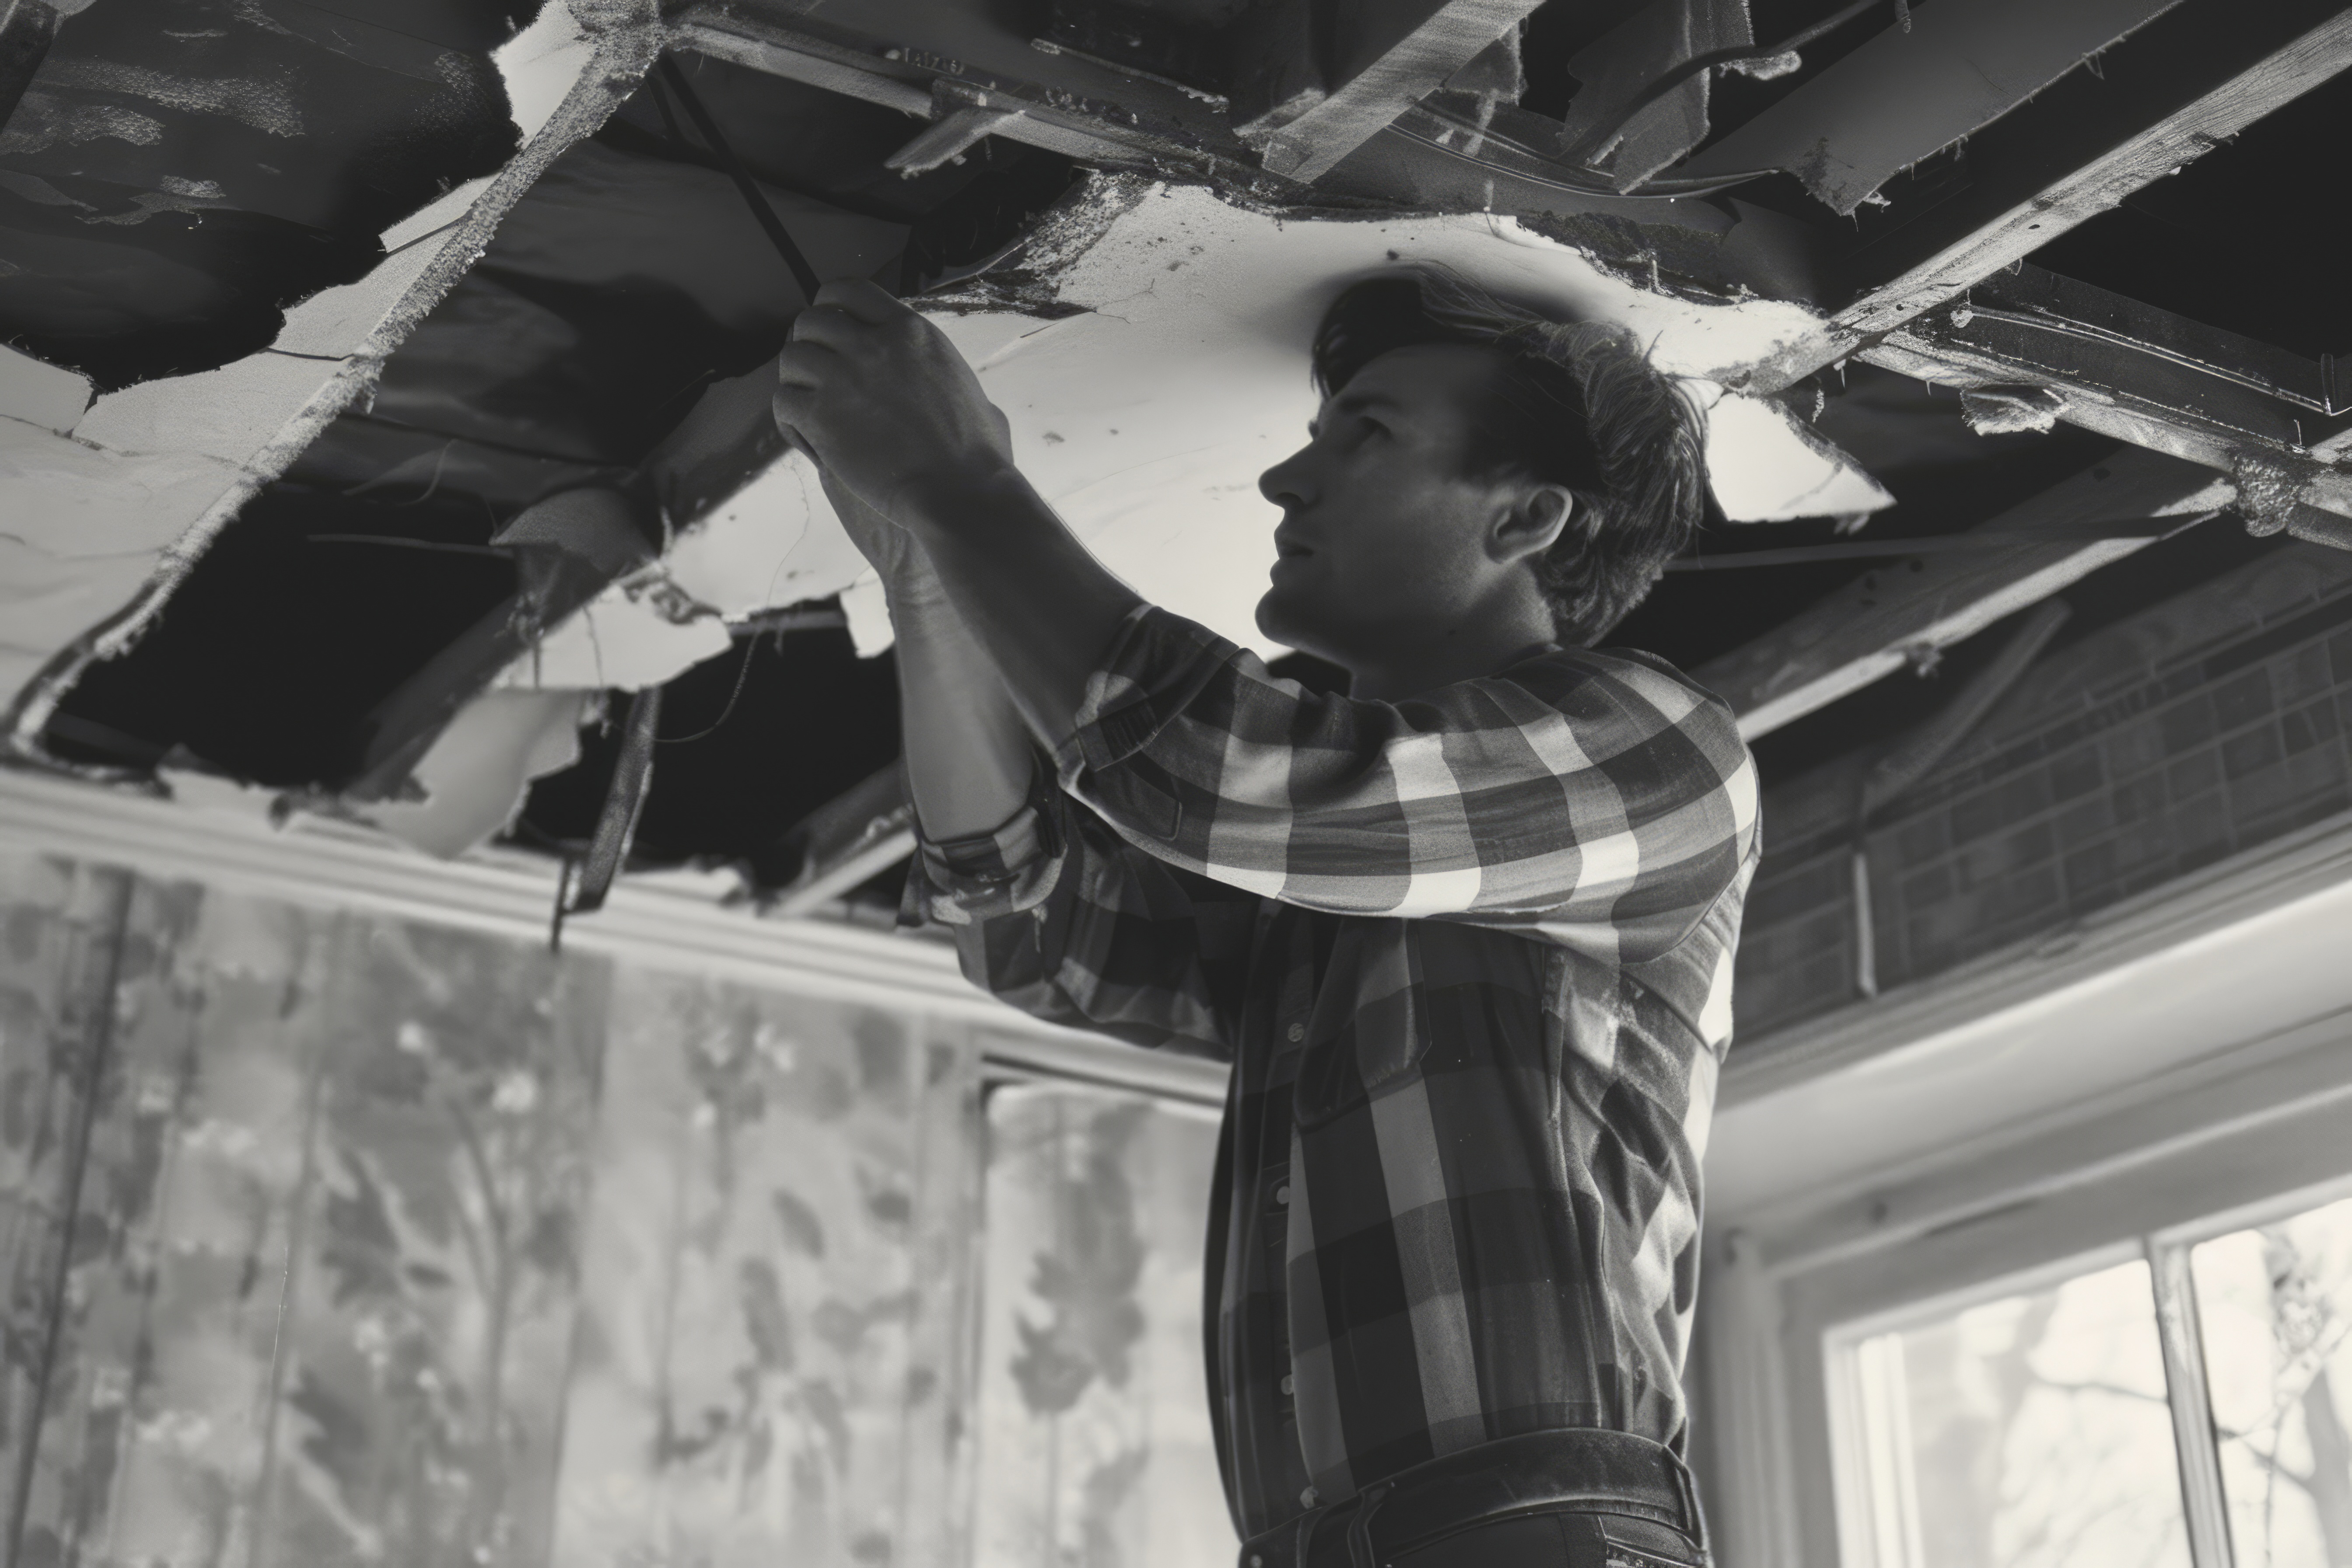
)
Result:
{"points": [[333, 1238], [2206, 725]]}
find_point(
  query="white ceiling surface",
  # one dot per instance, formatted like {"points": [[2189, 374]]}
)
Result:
{"points": [[1915, 1105], [1146, 420]]}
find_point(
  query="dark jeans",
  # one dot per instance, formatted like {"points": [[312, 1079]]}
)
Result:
{"points": [[1564, 1498], [1559, 1541]]}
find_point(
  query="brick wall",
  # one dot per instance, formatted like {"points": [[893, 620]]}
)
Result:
{"points": [[2157, 745]]}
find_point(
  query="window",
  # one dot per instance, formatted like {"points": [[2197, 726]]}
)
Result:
{"points": [[1094, 1449], [2189, 1406], [2275, 1304]]}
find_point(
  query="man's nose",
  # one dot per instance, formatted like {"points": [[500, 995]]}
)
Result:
{"points": [[1288, 484]]}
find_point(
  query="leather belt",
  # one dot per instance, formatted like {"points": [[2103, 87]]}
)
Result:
{"points": [[1569, 1470]]}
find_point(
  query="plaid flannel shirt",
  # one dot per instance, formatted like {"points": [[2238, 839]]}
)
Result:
{"points": [[1470, 954]]}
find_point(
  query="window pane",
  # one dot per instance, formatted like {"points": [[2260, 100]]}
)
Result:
{"points": [[2277, 1305], [2030, 1431], [1094, 1443]]}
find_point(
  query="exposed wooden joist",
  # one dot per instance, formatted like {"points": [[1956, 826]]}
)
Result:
{"points": [[2198, 75], [861, 832], [1388, 56], [1058, 122], [2137, 374], [1876, 624]]}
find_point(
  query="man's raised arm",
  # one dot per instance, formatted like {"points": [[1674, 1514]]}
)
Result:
{"points": [[888, 406], [967, 752]]}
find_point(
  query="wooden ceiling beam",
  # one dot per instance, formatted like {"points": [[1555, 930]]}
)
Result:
{"points": [[2139, 375], [918, 83], [856, 836], [1388, 56], [1903, 612]]}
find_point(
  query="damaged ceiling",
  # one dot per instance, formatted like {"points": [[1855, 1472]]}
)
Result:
{"points": [[386, 412]]}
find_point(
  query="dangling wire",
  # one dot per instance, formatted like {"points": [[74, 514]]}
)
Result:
{"points": [[1676, 75], [669, 76]]}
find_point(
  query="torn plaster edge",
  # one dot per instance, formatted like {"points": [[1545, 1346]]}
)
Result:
{"points": [[1829, 452], [629, 37], [1023, 277]]}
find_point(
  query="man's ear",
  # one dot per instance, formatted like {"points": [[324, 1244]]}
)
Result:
{"points": [[1532, 521]]}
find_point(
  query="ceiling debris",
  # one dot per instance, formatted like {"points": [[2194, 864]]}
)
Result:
{"points": [[167, 462], [386, 392], [1151, 354], [2007, 410]]}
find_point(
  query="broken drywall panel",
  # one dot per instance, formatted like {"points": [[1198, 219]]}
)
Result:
{"points": [[2010, 410], [635, 633], [70, 499], [46, 598], [541, 63], [445, 211], [1156, 364], [1779, 479], [329, 323], [40, 395], [772, 543], [475, 775], [1911, 91], [229, 414], [596, 63]]}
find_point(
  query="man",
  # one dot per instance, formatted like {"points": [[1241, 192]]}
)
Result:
{"points": [[1465, 932]]}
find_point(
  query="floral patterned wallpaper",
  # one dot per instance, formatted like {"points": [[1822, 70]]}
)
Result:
{"points": [[1092, 1405], [337, 1239]]}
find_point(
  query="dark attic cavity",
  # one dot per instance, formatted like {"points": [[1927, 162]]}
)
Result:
{"points": [[752, 742], [179, 172], [1914, 440], [626, 282], [278, 641], [2249, 239]]}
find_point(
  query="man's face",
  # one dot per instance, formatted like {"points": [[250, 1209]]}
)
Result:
{"points": [[1380, 536]]}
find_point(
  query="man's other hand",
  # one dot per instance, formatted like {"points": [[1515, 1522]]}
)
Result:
{"points": [[884, 402]]}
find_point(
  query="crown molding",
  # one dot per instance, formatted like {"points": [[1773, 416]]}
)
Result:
{"points": [[679, 922]]}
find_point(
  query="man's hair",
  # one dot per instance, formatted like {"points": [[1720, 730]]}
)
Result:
{"points": [[1578, 404]]}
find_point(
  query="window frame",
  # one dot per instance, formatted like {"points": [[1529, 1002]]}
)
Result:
{"points": [[2248, 1135]]}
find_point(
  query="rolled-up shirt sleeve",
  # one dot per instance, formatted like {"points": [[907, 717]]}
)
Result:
{"points": [[1012, 869], [1599, 799], [1056, 915]]}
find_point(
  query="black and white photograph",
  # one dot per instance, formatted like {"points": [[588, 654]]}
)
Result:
{"points": [[1175, 784]]}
